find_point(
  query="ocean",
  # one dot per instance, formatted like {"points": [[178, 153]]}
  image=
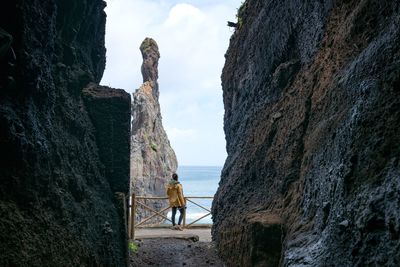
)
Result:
{"points": [[198, 181]]}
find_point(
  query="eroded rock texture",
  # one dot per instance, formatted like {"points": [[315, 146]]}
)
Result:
{"points": [[312, 115], [62, 178], [152, 158]]}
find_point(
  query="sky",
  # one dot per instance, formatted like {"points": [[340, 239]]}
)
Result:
{"points": [[192, 37]]}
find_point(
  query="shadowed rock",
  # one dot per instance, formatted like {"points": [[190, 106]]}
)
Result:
{"points": [[312, 124], [64, 168]]}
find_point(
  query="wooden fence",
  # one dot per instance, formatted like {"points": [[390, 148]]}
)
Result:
{"points": [[137, 201]]}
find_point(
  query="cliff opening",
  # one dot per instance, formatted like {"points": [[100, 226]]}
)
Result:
{"points": [[177, 101], [180, 96]]}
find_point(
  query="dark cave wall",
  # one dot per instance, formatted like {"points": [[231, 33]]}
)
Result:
{"points": [[58, 201], [311, 94], [109, 110]]}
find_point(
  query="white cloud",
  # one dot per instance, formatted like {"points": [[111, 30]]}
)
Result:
{"points": [[192, 38], [184, 14], [184, 135]]}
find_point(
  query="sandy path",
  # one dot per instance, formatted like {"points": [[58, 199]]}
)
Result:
{"points": [[174, 252], [165, 247]]}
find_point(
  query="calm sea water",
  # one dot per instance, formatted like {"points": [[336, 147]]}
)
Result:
{"points": [[198, 181]]}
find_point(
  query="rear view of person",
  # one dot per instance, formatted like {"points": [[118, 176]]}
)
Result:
{"points": [[176, 200]]}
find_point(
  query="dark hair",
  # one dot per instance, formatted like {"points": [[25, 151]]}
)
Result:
{"points": [[175, 176]]}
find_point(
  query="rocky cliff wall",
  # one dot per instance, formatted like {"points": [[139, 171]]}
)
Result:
{"points": [[58, 182], [312, 111], [152, 158]]}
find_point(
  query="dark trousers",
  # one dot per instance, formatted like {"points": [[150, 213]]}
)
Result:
{"points": [[181, 211]]}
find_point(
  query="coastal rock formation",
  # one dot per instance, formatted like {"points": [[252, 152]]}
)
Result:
{"points": [[312, 121], [64, 141], [152, 158]]}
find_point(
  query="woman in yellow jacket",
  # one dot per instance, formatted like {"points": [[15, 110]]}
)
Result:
{"points": [[176, 200]]}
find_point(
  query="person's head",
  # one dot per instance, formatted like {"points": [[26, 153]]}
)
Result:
{"points": [[175, 176]]}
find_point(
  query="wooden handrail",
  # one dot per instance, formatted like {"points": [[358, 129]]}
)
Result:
{"points": [[134, 203], [150, 217], [144, 197], [202, 217], [199, 205], [201, 197], [152, 210]]}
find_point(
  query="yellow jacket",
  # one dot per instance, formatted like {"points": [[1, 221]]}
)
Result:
{"points": [[175, 194]]}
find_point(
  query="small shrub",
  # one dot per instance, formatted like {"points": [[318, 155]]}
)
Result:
{"points": [[133, 247], [154, 147], [240, 12]]}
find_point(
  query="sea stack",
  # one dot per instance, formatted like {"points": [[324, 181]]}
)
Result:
{"points": [[152, 158]]}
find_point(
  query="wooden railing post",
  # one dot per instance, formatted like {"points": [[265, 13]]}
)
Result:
{"points": [[129, 216], [184, 214], [133, 211]]}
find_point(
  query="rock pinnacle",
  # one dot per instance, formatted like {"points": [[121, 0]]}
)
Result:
{"points": [[150, 54]]}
